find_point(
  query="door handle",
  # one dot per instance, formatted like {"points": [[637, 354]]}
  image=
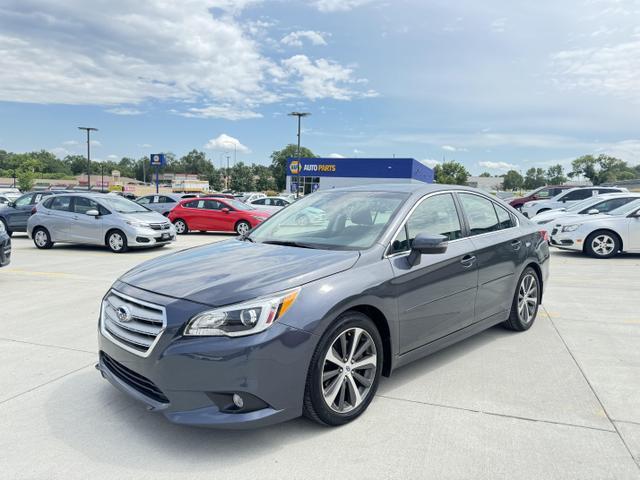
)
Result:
{"points": [[468, 260], [516, 244], [75, 217]]}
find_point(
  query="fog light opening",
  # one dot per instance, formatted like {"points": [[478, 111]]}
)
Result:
{"points": [[238, 401]]}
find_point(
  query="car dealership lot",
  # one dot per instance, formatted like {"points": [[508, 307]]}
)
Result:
{"points": [[558, 401]]}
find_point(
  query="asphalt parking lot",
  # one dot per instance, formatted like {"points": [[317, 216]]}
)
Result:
{"points": [[559, 401]]}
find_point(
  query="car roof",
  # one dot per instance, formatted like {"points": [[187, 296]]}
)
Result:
{"points": [[413, 188]]}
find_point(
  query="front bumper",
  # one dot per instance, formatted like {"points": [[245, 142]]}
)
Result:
{"points": [[191, 380], [147, 237], [566, 240], [5, 249]]}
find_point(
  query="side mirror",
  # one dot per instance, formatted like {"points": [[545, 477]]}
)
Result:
{"points": [[593, 211], [225, 210], [93, 213], [427, 244], [11, 204], [635, 214]]}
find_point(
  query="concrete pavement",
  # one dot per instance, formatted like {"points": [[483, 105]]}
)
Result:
{"points": [[559, 401]]}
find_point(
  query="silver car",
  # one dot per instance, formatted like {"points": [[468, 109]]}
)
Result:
{"points": [[270, 204], [162, 203], [566, 198], [98, 219]]}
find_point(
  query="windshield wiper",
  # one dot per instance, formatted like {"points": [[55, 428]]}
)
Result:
{"points": [[287, 243]]}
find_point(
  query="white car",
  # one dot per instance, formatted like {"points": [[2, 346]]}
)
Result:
{"points": [[271, 204], [565, 199], [591, 206], [603, 235], [249, 197]]}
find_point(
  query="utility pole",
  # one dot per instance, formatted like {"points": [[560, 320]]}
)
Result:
{"points": [[299, 115], [102, 179], [227, 183], [89, 130]]}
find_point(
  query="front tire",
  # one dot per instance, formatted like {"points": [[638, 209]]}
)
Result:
{"points": [[181, 226], [602, 244], [41, 238], [6, 228], [117, 241], [526, 301], [242, 227], [344, 372]]}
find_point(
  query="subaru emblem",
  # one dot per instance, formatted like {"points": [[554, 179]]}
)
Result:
{"points": [[123, 314]]}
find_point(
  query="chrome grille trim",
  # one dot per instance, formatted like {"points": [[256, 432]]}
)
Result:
{"points": [[160, 226], [142, 332]]}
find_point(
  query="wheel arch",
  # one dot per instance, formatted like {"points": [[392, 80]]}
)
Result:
{"points": [[536, 268], [382, 325], [110, 231]]}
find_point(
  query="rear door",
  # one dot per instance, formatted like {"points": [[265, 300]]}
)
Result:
{"points": [[436, 296], [500, 249], [18, 215], [58, 217]]}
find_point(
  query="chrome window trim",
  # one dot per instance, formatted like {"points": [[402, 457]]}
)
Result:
{"points": [[452, 192], [107, 335]]}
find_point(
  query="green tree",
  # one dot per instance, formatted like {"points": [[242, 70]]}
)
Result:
{"points": [[279, 162], [602, 168], [451, 173], [77, 164], [25, 178], [512, 180], [485, 174], [534, 178], [242, 179], [555, 175]]}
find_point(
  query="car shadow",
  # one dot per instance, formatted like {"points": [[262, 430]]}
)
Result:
{"points": [[84, 403], [575, 255]]}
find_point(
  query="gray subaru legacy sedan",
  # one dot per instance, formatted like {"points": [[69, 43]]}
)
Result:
{"points": [[302, 319]]}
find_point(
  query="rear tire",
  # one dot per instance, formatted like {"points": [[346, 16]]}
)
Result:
{"points": [[117, 241], [526, 301], [343, 377], [41, 238], [602, 244], [181, 227]]}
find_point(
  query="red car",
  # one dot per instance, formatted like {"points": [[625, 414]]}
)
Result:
{"points": [[541, 193], [215, 214]]}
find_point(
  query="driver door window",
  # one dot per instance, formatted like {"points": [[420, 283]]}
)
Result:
{"points": [[436, 215], [24, 200]]}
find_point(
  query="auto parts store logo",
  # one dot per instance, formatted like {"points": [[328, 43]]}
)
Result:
{"points": [[295, 167]]}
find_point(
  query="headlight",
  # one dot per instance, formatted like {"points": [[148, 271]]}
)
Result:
{"points": [[570, 228], [135, 223], [242, 318], [530, 204], [2, 229], [257, 218], [542, 222]]}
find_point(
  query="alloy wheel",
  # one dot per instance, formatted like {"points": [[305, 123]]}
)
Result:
{"points": [[180, 226], [603, 245], [116, 242], [528, 298], [41, 238], [243, 228], [349, 370]]}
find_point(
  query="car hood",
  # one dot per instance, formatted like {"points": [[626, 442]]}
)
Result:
{"points": [[145, 217], [550, 214], [233, 271], [585, 218]]}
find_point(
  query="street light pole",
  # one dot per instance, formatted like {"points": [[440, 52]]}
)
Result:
{"points": [[299, 115], [227, 182], [89, 130]]}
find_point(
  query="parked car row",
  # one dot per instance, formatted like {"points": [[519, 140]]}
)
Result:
{"points": [[565, 198]]}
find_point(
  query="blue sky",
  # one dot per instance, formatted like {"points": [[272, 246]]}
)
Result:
{"points": [[493, 84]]}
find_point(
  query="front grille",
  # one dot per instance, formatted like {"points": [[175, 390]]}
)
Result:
{"points": [[160, 226], [133, 324], [133, 379]]}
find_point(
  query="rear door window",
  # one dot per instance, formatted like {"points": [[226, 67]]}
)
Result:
{"points": [[581, 194], [84, 204], [60, 203], [480, 213]]}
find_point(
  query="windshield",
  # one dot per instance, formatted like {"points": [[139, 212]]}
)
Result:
{"points": [[341, 220], [122, 205], [237, 204], [625, 209], [583, 204]]}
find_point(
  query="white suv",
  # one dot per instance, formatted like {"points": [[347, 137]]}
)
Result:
{"points": [[566, 199]]}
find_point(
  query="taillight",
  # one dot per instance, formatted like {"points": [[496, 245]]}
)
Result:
{"points": [[545, 235], [33, 210]]}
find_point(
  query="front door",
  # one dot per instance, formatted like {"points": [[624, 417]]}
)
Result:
{"points": [[500, 250], [85, 228], [59, 217], [634, 231], [19, 213], [436, 296]]}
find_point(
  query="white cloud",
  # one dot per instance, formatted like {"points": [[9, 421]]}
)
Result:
{"points": [[70, 143], [335, 155], [323, 78], [339, 5], [430, 162], [197, 54], [611, 69], [59, 151], [125, 111], [497, 165], [294, 39], [112, 157], [145, 145], [226, 142], [451, 148], [498, 25]]}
